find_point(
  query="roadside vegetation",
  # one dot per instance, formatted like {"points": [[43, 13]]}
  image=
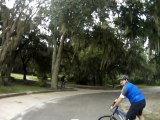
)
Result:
{"points": [[17, 85], [20, 88], [20, 77]]}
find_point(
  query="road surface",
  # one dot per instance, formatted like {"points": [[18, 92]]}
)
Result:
{"points": [[79, 107], [72, 105]]}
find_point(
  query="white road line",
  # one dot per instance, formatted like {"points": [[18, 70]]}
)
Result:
{"points": [[74, 119]]}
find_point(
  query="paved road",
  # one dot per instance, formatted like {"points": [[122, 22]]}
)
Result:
{"points": [[79, 107], [19, 105]]}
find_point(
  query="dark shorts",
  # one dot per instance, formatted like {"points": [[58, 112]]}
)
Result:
{"points": [[135, 110]]}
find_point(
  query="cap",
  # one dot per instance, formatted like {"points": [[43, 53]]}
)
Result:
{"points": [[123, 77]]}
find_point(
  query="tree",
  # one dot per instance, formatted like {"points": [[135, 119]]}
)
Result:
{"points": [[34, 52], [15, 23], [71, 18], [152, 25]]}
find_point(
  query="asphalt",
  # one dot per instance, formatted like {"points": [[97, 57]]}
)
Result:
{"points": [[18, 103]]}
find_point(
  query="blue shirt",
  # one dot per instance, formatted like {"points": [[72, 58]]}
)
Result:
{"points": [[132, 92]]}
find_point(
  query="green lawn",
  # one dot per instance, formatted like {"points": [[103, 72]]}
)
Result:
{"points": [[17, 88], [20, 76]]}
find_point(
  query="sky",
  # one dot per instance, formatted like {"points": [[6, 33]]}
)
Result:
{"points": [[9, 3]]}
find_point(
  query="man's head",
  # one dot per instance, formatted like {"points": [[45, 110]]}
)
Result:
{"points": [[123, 79]]}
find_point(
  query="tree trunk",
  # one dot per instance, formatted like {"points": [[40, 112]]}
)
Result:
{"points": [[13, 28], [6, 56], [54, 54], [5, 73], [24, 72], [56, 64], [6, 67]]}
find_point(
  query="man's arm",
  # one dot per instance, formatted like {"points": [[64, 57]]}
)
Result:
{"points": [[118, 101], [121, 97]]}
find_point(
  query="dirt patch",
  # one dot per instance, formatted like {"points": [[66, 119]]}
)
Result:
{"points": [[152, 109]]}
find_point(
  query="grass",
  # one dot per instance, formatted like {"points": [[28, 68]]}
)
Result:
{"points": [[20, 76], [18, 86]]}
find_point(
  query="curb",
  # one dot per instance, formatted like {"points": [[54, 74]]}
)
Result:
{"points": [[33, 92], [23, 93], [70, 88]]}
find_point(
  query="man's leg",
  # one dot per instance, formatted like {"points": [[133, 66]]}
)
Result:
{"points": [[131, 113], [140, 108], [141, 117]]}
